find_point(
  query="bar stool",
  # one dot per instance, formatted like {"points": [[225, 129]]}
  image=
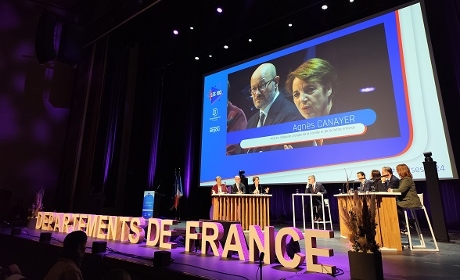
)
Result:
{"points": [[324, 221], [422, 246]]}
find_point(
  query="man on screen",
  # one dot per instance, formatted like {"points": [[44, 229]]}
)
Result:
{"points": [[273, 107]]}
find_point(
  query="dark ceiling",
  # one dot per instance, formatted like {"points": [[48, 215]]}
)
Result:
{"points": [[265, 22]]}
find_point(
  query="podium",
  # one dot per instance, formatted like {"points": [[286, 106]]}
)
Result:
{"points": [[310, 196], [250, 209], [151, 205], [387, 231]]}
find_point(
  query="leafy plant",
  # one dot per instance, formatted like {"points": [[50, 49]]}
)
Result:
{"points": [[358, 215], [37, 205]]}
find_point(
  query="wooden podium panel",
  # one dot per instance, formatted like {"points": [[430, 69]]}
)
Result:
{"points": [[249, 209], [387, 230]]}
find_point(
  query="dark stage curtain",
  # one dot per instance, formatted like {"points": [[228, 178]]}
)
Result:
{"points": [[110, 129]]}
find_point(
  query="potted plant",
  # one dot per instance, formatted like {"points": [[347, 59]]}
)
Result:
{"points": [[36, 207], [365, 258]]}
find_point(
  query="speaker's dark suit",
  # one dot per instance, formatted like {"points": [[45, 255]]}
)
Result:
{"points": [[393, 182], [242, 188], [252, 188], [317, 188], [281, 111]]}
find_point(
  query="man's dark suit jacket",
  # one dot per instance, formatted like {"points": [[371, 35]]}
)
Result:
{"points": [[281, 111], [319, 188], [242, 188], [252, 188], [393, 182]]}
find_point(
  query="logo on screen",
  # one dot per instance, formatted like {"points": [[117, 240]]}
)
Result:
{"points": [[215, 115], [214, 94], [213, 129]]}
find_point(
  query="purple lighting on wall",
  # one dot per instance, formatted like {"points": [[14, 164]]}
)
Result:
{"points": [[154, 147], [23, 49], [188, 167], [109, 148], [9, 119], [39, 173], [41, 131], [58, 115], [9, 18], [18, 82]]}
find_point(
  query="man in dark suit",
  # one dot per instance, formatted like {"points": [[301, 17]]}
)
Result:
{"points": [[315, 187], [273, 107], [364, 184], [389, 180], [238, 187]]}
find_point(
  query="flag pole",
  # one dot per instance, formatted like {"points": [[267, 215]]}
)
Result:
{"points": [[180, 190]]}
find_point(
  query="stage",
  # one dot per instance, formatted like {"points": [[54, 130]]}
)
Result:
{"points": [[35, 258]]}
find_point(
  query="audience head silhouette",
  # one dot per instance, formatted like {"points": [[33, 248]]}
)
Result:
{"points": [[74, 246]]}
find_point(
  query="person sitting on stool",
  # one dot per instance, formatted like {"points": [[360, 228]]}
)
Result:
{"points": [[315, 187], [409, 197]]}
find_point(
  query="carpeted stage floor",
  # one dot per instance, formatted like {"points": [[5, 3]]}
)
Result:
{"points": [[35, 258]]}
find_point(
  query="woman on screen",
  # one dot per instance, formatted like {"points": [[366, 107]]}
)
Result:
{"points": [[312, 87], [256, 188]]}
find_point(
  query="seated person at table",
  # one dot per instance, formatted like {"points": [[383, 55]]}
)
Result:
{"points": [[388, 179], [256, 188], [409, 197], [377, 184], [219, 187], [364, 184], [238, 187], [315, 187]]}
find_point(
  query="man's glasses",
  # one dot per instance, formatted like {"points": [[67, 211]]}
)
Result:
{"points": [[260, 87]]}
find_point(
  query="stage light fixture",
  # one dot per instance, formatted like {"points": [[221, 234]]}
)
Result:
{"points": [[324, 7], [191, 27], [351, 1], [250, 40], [197, 58], [161, 258], [219, 10], [16, 231], [210, 55], [290, 24], [225, 47], [45, 237], [98, 247], [175, 32]]}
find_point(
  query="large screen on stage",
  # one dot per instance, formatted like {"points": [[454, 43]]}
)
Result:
{"points": [[355, 99]]}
